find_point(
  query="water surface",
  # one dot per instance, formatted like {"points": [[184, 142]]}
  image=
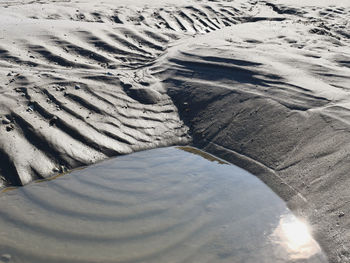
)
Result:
{"points": [[162, 205]]}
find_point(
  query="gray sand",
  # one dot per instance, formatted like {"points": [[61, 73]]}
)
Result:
{"points": [[262, 85], [161, 205]]}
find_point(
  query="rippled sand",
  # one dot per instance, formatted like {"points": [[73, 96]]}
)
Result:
{"points": [[262, 84], [162, 205]]}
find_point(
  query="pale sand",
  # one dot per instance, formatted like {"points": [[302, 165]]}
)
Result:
{"points": [[265, 86]]}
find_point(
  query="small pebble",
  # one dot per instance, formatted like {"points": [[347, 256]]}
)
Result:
{"points": [[77, 87], [341, 214]]}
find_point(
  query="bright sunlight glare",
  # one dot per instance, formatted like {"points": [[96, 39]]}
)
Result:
{"points": [[294, 236]]}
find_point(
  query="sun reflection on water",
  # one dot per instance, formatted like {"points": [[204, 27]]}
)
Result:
{"points": [[293, 235]]}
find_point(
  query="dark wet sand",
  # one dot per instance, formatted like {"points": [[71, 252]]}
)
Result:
{"points": [[162, 205]]}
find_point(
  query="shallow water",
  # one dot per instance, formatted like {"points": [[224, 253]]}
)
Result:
{"points": [[162, 205]]}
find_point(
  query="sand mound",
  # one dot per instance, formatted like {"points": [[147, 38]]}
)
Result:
{"points": [[75, 86], [272, 97]]}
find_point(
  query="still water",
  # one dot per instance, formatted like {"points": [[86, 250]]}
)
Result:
{"points": [[174, 204]]}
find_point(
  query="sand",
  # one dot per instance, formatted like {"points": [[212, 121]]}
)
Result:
{"points": [[128, 209], [262, 84]]}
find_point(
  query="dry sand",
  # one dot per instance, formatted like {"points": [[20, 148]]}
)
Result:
{"points": [[262, 84]]}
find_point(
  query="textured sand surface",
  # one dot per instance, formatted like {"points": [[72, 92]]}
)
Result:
{"points": [[262, 84], [128, 209]]}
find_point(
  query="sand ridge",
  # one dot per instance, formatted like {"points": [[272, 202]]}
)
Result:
{"points": [[75, 83], [272, 97]]}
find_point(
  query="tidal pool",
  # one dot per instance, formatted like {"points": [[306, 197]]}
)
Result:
{"points": [[175, 204]]}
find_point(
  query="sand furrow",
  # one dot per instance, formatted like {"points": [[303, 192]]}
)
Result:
{"points": [[89, 55], [54, 58]]}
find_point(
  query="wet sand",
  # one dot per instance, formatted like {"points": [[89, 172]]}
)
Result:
{"points": [[263, 85], [161, 205]]}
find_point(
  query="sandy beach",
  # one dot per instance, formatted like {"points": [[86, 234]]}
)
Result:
{"points": [[262, 84]]}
